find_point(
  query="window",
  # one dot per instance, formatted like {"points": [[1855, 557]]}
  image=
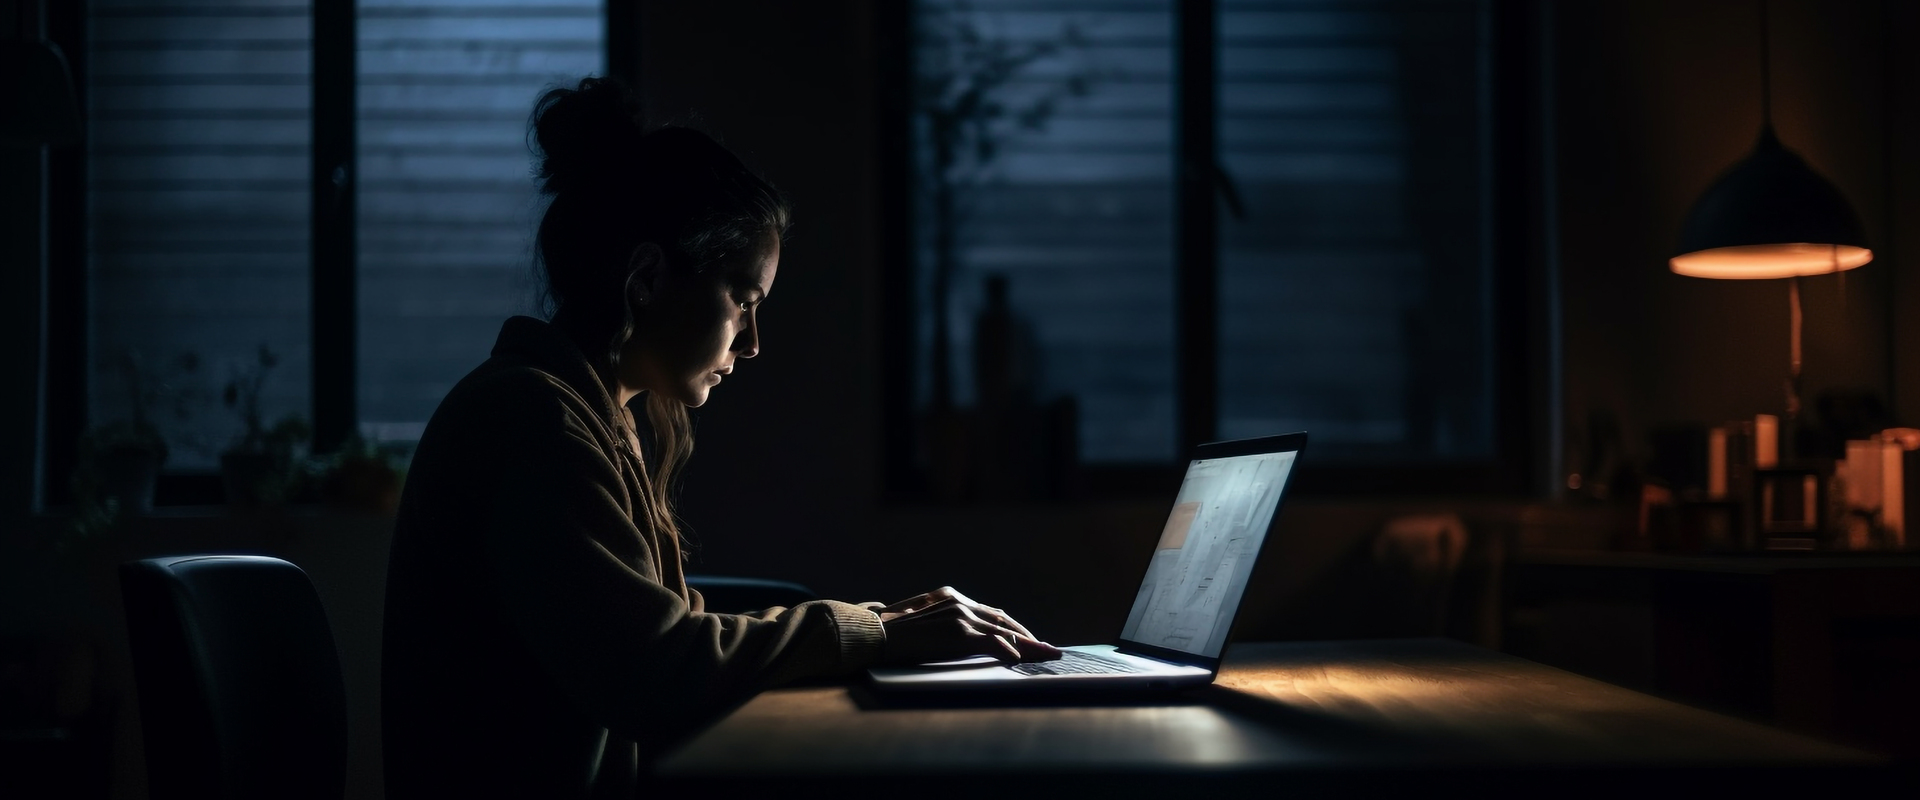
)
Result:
{"points": [[1354, 279], [1057, 189], [445, 204], [198, 235], [1333, 267], [200, 205]]}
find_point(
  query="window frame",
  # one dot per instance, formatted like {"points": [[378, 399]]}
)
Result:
{"points": [[66, 287], [1523, 318]]}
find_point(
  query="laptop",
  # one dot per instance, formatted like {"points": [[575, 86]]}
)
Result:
{"points": [[1176, 632]]}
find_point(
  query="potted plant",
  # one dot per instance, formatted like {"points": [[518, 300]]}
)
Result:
{"points": [[119, 462], [365, 474], [974, 93], [262, 467], [120, 465]]}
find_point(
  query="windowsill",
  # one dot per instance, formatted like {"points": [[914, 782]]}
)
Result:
{"points": [[222, 511], [180, 529]]}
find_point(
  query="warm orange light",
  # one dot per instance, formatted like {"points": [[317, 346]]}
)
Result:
{"points": [[1755, 261]]}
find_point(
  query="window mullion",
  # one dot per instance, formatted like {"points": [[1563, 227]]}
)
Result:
{"points": [[334, 248], [1196, 281]]}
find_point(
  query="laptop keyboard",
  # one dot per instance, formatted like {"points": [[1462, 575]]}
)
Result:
{"points": [[1074, 662]]}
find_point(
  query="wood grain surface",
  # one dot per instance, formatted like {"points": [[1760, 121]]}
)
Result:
{"points": [[1453, 701], [1324, 714]]}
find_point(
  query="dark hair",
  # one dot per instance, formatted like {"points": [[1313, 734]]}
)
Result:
{"points": [[613, 185]]}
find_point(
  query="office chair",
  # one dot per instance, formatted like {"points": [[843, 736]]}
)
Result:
{"points": [[238, 679], [727, 594]]}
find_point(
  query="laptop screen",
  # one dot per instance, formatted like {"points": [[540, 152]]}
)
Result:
{"points": [[1206, 552]]}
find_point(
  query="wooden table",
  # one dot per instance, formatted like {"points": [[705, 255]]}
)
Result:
{"points": [[1330, 717]]}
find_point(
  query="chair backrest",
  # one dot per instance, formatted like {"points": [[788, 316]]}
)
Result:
{"points": [[727, 594], [238, 679]]}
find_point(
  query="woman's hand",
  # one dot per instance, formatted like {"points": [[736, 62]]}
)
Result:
{"points": [[943, 625]]}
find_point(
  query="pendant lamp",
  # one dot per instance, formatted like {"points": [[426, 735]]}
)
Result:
{"points": [[1772, 216]]}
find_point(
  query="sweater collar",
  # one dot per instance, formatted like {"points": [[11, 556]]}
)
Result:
{"points": [[544, 345]]}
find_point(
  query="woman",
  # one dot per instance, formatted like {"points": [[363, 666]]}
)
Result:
{"points": [[540, 636]]}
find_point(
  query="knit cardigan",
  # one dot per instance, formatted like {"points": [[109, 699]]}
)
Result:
{"points": [[540, 638]]}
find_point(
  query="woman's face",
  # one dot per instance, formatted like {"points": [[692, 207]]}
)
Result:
{"points": [[689, 328]]}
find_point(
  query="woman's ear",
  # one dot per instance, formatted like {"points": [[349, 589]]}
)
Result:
{"points": [[643, 273]]}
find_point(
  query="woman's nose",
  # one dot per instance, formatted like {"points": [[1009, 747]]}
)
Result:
{"points": [[747, 344]]}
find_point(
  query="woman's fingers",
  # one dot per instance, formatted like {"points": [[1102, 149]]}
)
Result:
{"points": [[1035, 650], [947, 595], [1002, 618], [944, 624], [994, 615], [1017, 643], [990, 639], [949, 629]]}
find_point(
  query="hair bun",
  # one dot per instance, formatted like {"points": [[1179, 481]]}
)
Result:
{"points": [[587, 135]]}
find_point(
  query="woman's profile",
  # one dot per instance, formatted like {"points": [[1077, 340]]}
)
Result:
{"points": [[540, 637]]}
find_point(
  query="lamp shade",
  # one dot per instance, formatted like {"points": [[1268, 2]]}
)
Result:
{"points": [[1770, 216]]}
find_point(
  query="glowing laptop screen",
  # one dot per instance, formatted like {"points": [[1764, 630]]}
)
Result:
{"points": [[1206, 552]]}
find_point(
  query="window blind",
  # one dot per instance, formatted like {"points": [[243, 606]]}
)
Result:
{"points": [[446, 201], [1353, 293], [1353, 269], [198, 241], [1077, 215]]}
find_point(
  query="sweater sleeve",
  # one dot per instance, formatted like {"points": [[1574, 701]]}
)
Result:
{"points": [[577, 581]]}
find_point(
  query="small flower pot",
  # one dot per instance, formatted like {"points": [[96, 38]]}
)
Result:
{"points": [[128, 474]]}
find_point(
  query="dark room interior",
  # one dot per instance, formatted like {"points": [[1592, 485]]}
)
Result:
{"points": [[1434, 234]]}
